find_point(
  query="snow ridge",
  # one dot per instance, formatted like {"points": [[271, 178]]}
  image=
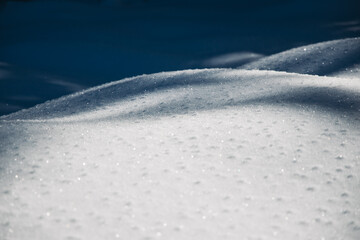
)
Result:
{"points": [[326, 58], [193, 90]]}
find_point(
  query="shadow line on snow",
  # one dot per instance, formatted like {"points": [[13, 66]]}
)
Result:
{"points": [[329, 98], [109, 93], [323, 99]]}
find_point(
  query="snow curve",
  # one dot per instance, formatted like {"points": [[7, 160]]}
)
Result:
{"points": [[181, 92], [325, 58], [193, 154]]}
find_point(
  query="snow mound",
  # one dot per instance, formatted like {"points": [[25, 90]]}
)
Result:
{"points": [[337, 58], [181, 92], [195, 154]]}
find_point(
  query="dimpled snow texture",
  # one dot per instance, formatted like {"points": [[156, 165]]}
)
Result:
{"points": [[195, 154]]}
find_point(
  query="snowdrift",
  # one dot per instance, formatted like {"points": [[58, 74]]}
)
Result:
{"points": [[193, 154], [337, 58], [193, 90]]}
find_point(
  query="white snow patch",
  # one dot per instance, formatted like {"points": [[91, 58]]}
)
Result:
{"points": [[197, 154]]}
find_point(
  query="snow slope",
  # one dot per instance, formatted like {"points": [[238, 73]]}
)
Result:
{"points": [[334, 58], [195, 154], [183, 91]]}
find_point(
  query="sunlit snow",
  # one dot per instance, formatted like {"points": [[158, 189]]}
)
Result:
{"points": [[212, 154], [268, 150]]}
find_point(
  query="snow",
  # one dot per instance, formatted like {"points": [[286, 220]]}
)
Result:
{"points": [[211, 153], [180, 92], [334, 58], [268, 150]]}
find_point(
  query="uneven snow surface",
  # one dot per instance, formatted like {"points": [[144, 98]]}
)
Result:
{"points": [[194, 154]]}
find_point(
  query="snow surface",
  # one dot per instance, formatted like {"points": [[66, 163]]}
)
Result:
{"points": [[334, 58], [266, 151], [180, 92], [251, 172], [195, 154]]}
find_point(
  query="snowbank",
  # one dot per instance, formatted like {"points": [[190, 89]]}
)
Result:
{"points": [[196, 154], [183, 91], [337, 58]]}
